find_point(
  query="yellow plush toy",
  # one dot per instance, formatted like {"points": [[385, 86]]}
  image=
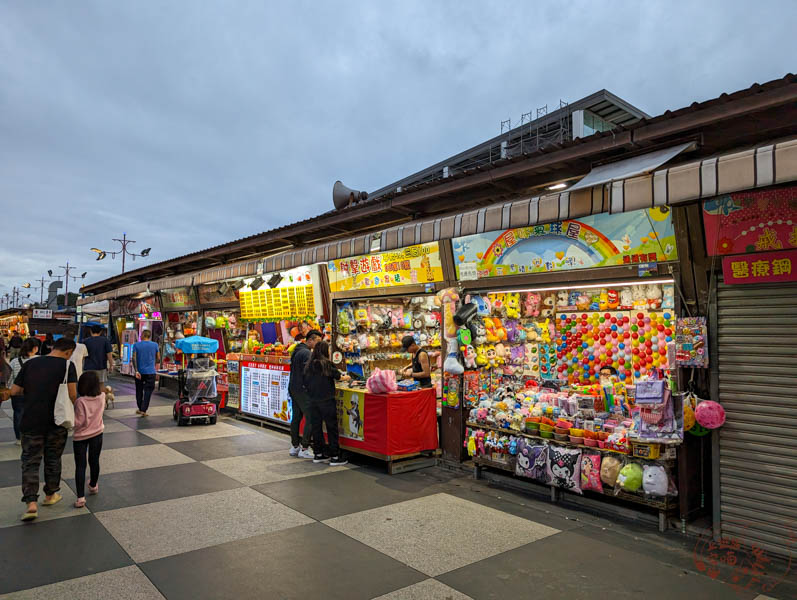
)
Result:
{"points": [[513, 305]]}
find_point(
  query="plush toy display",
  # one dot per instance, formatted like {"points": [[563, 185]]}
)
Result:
{"points": [[513, 305], [564, 468], [610, 469], [532, 304], [630, 477], [654, 480], [591, 471]]}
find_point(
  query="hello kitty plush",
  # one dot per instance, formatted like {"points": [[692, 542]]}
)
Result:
{"points": [[626, 299], [654, 296], [532, 304]]}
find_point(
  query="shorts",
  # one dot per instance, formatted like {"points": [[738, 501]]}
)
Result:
{"points": [[101, 373]]}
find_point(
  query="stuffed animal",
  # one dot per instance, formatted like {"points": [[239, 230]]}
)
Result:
{"points": [[548, 304], [582, 302], [564, 468], [532, 304], [626, 298], [480, 441], [572, 299], [638, 294], [516, 423], [490, 353], [490, 330], [520, 333], [561, 299], [500, 354], [481, 356], [630, 477], [612, 299], [668, 300], [654, 480], [654, 296], [517, 355], [482, 305], [610, 469], [497, 303], [448, 299], [479, 332], [511, 331], [469, 355], [595, 302], [513, 305], [471, 445], [603, 299], [452, 364], [590, 472]]}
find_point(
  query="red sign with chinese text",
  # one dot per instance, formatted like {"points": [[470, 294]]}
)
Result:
{"points": [[764, 267]]}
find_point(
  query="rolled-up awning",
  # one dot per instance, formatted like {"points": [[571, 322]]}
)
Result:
{"points": [[630, 167]]}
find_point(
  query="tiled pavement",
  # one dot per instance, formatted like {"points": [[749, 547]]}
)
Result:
{"points": [[223, 512]]}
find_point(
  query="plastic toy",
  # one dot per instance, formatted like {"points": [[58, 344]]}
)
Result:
{"points": [[710, 414], [603, 299], [613, 299]]}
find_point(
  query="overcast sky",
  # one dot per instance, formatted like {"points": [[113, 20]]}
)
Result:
{"points": [[187, 124]]}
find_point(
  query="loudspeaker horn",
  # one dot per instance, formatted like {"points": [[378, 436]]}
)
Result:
{"points": [[343, 196]]}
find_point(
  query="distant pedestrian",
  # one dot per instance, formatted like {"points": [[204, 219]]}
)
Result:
{"points": [[87, 437], [100, 353], [30, 349], [145, 356], [78, 356], [320, 376], [39, 381], [300, 446], [14, 345], [47, 345]]}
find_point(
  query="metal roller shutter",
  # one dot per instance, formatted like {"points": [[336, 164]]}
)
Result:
{"points": [[757, 342]]}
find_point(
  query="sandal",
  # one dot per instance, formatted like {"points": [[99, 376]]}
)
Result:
{"points": [[80, 503], [30, 515], [94, 490], [55, 499]]}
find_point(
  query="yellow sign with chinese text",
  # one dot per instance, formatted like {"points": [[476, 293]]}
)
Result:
{"points": [[417, 264]]}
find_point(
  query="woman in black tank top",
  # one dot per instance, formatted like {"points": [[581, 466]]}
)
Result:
{"points": [[421, 370]]}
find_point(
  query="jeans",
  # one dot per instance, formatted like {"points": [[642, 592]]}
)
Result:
{"points": [[144, 387], [18, 404], [94, 446], [325, 412], [299, 403], [50, 445]]}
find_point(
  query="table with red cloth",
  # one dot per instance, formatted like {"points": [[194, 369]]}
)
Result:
{"points": [[393, 425]]}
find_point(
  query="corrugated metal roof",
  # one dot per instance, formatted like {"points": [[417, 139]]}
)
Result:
{"points": [[723, 99]]}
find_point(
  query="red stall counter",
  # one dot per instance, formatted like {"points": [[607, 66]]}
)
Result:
{"points": [[387, 426]]}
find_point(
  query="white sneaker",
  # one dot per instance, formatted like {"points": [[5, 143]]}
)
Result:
{"points": [[306, 453], [294, 451]]}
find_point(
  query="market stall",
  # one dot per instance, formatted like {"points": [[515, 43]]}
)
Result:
{"points": [[574, 384], [14, 321], [275, 307], [377, 300], [180, 320], [392, 427], [130, 317]]}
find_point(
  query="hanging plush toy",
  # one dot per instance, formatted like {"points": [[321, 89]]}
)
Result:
{"points": [[481, 356], [513, 305], [448, 299], [532, 304], [469, 354]]}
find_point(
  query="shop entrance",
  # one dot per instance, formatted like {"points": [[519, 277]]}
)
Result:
{"points": [[757, 379]]}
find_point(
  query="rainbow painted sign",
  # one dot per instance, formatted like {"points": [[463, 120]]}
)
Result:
{"points": [[641, 236]]}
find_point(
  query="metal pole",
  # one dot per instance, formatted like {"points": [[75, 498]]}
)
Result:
{"points": [[124, 250]]}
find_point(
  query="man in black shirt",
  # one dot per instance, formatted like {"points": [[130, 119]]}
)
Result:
{"points": [[99, 355], [299, 397], [38, 382]]}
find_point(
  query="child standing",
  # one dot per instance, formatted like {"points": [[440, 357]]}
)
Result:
{"points": [[87, 437], [320, 375]]}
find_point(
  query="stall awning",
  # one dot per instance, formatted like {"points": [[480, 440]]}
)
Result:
{"points": [[631, 167]]}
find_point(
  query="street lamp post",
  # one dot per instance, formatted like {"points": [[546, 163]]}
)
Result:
{"points": [[124, 251], [67, 269]]}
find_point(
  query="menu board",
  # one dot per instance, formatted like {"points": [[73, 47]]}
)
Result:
{"points": [[264, 391]]}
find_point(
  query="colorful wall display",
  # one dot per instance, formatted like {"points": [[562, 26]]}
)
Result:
{"points": [[417, 264], [691, 342], [602, 240], [264, 390], [277, 304], [350, 413], [755, 221], [764, 267], [178, 298]]}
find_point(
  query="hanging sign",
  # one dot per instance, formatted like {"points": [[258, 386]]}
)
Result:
{"points": [[747, 222], [41, 313], [417, 264], [602, 240], [177, 298], [764, 267]]}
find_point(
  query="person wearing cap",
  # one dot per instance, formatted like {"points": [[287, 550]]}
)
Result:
{"points": [[421, 368]]}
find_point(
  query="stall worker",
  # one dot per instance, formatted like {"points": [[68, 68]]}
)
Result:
{"points": [[421, 368]]}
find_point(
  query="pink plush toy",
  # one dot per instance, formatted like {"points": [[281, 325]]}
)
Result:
{"points": [[710, 414], [532, 304]]}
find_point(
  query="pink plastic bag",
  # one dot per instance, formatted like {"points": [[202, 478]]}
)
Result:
{"points": [[381, 382]]}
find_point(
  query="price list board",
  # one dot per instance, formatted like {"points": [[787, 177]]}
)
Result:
{"points": [[264, 391]]}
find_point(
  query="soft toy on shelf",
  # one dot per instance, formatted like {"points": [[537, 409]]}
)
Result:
{"points": [[469, 354], [448, 299], [497, 303], [638, 294], [613, 299], [492, 359], [668, 299], [532, 304], [654, 296], [481, 356], [562, 299], [513, 305], [511, 331], [603, 299], [582, 302], [500, 354], [548, 304], [626, 298], [479, 331], [654, 480], [490, 332]]}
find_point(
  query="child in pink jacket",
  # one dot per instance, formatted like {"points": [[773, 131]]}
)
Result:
{"points": [[87, 437]]}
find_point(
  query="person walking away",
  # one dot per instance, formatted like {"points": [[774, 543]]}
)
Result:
{"points": [[30, 349], [47, 345], [145, 355], [100, 353], [299, 397], [421, 368], [320, 376], [38, 382], [87, 436], [14, 345], [78, 356]]}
